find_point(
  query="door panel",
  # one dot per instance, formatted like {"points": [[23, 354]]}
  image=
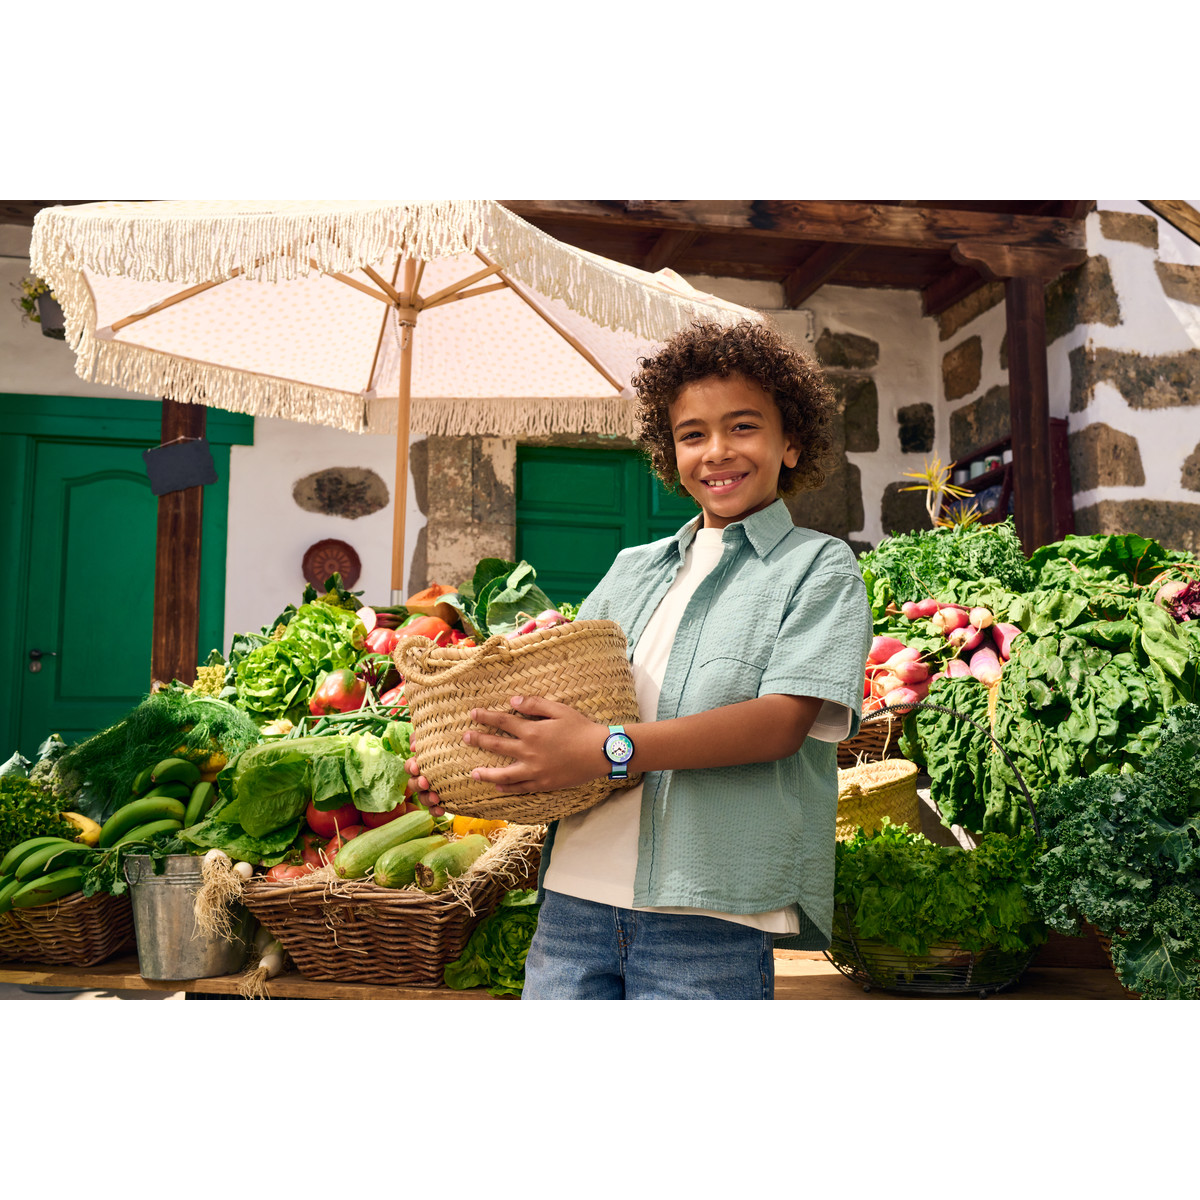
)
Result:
{"points": [[91, 589], [576, 509]]}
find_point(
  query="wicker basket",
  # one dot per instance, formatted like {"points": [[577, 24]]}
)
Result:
{"points": [[77, 931], [353, 931], [15, 944], [946, 969], [873, 742], [873, 790], [582, 663]]}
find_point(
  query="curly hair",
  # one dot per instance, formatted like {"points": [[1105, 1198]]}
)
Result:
{"points": [[757, 352]]}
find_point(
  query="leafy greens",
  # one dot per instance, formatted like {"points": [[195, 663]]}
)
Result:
{"points": [[495, 954]]}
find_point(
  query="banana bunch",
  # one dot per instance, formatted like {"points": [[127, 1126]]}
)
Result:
{"points": [[168, 796], [41, 869]]}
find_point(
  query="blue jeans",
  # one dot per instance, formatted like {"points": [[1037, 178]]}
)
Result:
{"points": [[582, 950]]}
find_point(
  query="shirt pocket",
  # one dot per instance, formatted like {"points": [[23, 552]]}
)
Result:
{"points": [[726, 679]]}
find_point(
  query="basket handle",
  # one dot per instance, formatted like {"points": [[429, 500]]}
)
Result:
{"points": [[881, 713], [411, 656]]}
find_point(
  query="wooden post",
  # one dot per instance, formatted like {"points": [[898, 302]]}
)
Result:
{"points": [[407, 314], [177, 561], [1029, 403]]}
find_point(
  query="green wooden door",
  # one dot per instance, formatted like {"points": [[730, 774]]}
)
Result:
{"points": [[80, 523], [577, 508]]}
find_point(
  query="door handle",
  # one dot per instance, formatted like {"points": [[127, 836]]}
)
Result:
{"points": [[36, 656]]}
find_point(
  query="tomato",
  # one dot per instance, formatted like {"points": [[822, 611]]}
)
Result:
{"points": [[336, 843], [326, 824], [285, 871], [339, 691], [393, 699], [372, 820], [382, 641], [458, 638], [433, 628], [311, 845]]}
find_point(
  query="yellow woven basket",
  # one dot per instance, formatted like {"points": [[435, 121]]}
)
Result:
{"points": [[581, 663], [874, 790]]}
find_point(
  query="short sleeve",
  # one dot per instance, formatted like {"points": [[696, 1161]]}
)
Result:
{"points": [[822, 646]]}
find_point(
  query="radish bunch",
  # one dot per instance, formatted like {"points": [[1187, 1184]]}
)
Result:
{"points": [[898, 674]]}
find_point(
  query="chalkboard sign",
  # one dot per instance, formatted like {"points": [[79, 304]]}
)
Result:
{"points": [[180, 465]]}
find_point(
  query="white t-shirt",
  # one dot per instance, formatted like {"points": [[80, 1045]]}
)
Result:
{"points": [[595, 852]]}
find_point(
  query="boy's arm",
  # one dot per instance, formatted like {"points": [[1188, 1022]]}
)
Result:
{"points": [[565, 748]]}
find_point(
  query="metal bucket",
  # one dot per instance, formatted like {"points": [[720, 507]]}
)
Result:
{"points": [[168, 943]]}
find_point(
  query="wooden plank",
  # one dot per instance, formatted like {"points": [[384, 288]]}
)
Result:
{"points": [[819, 221], [955, 285], [798, 976], [665, 252], [1029, 404], [177, 561], [994, 260], [815, 271], [1178, 213]]}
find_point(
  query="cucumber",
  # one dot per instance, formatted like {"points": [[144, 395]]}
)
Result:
{"points": [[9, 884], [358, 855], [397, 867], [46, 859], [12, 860], [439, 866], [144, 832], [48, 887], [138, 812]]}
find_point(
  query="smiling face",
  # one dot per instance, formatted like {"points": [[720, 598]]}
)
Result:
{"points": [[729, 446]]}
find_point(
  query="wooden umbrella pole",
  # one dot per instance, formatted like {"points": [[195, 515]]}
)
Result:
{"points": [[408, 327]]}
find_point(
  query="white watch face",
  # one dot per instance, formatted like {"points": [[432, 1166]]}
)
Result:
{"points": [[618, 748]]}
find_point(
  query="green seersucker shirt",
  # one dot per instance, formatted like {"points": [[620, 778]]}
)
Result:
{"points": [[784, 611]]}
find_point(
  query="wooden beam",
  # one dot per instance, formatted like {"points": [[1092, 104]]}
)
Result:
{"points": [[994, 260], [816, 221], [1178, 213], [665, 252], [815, 271], [1029, 405], [955, 285], [176, 632]]}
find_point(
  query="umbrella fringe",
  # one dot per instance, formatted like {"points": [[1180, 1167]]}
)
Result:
{"points": [[511, 418], [198, 242]]}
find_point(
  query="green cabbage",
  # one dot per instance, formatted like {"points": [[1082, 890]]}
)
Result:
{"points": [[495, 954]]}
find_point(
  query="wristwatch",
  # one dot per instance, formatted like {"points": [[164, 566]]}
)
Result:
{"points": [[618, 749]]}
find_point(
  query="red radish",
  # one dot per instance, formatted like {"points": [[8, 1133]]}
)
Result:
{"points": [[528, 627], [956, 668], [900, 697], [882, 648], [866, 688], [981, 617], [885, 682], [985, 666], [368, 618], [874, 704], [904, 655], [966, 638], [949, 617], [1004, 634], [911, 609], [927, 608], [911, 672]]}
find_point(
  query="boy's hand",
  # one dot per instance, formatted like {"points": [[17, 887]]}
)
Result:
{"points": [[563, 749], [418, 789]]}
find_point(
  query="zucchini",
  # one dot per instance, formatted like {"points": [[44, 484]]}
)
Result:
{"points": [[397, 867], [438, 867], [358, 855], [45, 888]]}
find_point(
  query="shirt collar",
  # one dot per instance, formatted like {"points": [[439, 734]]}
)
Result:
{"points": [[764, 530]]}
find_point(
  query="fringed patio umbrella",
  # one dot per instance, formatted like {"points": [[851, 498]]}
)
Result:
{"points": [[453, 317]]}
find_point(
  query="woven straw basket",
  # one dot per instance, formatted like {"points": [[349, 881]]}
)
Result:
{"points": [[77, 931], [874, 790], [872, 742], [354, 931], [15, 944], [582, 663]]}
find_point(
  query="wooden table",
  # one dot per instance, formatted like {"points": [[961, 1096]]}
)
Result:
{"points": [[799, 975]]}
